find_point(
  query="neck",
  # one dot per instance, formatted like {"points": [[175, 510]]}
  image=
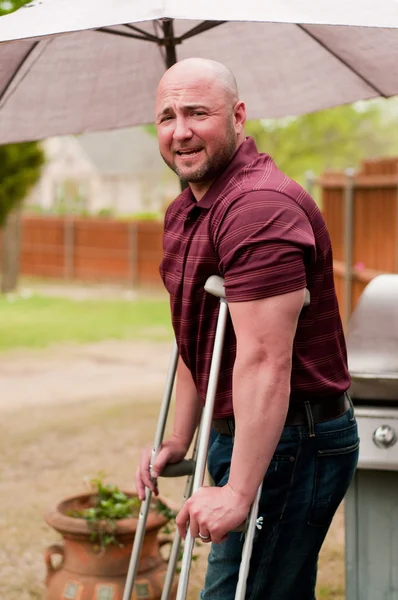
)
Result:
{"points": [[199, 189]]}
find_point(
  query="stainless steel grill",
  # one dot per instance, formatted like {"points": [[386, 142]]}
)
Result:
{"points": [[371, 505], [372, 343]]}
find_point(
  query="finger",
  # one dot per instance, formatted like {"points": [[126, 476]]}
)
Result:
{"points": [[139, 485], [193, 526], [144, 471], [160, 462], [182, 520], [145, 459], [204, 536], [218, 535]]}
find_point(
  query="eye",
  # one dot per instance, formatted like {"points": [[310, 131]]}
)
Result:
{"points": [[199, 113], [166, 118]]}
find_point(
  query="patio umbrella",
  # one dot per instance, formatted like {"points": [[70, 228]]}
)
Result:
{"points": [[68, 66]]}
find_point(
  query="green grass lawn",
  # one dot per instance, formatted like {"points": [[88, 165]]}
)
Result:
{"points": [[38, 321]]}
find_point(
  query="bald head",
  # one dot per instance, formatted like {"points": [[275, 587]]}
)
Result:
{"points": [[202, 69], [200, 120]]}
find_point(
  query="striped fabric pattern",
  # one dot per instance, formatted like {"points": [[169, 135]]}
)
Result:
{"points": [[265, 235]]}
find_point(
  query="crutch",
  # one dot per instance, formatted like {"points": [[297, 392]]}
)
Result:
{"points": [[215, 286], [194, 467]]}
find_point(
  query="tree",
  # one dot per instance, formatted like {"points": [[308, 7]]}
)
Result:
{"points": [[7, 6], [20, 166], [19, 170], [334, 139]]}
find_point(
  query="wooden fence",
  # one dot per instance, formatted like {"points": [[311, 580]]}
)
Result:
{"points": [[92, 249], [360, 209], [361, 212]]}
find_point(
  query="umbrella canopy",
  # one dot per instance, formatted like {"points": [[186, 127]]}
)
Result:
{"points": [[68, 66]]}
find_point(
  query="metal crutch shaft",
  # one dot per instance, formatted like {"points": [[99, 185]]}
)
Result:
{"points": [[215, 285], [247, 548], [175, 549], [204, 439], [144, 510]]}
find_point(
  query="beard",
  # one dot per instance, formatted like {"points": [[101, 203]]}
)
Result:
{"points": [[213, 165]]}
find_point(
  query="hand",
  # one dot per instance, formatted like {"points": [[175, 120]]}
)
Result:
{"points": [[171, 451], [213, 512]]}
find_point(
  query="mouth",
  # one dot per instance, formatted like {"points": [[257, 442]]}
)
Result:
{"points": [[188, 152]]}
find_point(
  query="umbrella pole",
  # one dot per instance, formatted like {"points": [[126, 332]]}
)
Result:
{"points": [[169, 43], [170, 58]]}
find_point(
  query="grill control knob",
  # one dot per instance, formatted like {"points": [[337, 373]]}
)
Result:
{"points": [[384, 436]]}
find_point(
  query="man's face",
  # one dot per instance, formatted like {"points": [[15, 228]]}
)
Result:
{"points": [[196, 128]]}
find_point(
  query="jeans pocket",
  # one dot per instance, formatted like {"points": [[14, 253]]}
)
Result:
{"points": [[335, 468]]}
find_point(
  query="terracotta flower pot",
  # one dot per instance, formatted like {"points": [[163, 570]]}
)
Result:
{"points": [[76, 570]]}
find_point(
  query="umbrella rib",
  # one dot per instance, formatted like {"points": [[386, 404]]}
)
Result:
{"points": [[128, 35], [17, 70], [201, 28], [148, 36], [342, 60]]}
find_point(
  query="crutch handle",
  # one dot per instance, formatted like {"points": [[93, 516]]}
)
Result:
{"points": [[215, 286], [179, 469]]}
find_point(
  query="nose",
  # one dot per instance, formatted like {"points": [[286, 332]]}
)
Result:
{"points": [[182, 130]]}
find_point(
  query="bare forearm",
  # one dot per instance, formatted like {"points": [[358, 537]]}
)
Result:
{"points": [[188, 406], [260, 399]]}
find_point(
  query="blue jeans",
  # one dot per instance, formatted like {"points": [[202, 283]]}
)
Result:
{"points": [[307, 479]]}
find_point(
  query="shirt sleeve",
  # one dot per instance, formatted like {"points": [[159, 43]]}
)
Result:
{"points": [[264, 241]]}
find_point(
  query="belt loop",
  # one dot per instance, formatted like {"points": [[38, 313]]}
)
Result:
{"points": [[310, 418], [347, 395]]}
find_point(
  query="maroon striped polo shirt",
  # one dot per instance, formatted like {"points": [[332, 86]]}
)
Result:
{"points": [[265, 235]]}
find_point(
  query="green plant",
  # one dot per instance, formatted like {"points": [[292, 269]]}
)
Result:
{"points": [[108, 504]]}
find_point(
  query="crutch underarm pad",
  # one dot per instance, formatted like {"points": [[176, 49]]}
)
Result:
{"points": [[184, 467]]}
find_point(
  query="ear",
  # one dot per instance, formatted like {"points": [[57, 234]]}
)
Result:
{"points": [[239, 116]]}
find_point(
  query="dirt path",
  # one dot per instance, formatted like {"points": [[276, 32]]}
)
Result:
{"points": [[101, 406], [72, 374]]}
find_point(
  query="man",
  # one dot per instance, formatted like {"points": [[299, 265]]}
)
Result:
{"points": [[282, 413]]}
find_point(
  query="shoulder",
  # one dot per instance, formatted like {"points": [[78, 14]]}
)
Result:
{"points": [[265, 204], [262, 216], [262, 185]]}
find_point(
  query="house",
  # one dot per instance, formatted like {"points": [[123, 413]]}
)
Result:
{"points": [[119, 172]]}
